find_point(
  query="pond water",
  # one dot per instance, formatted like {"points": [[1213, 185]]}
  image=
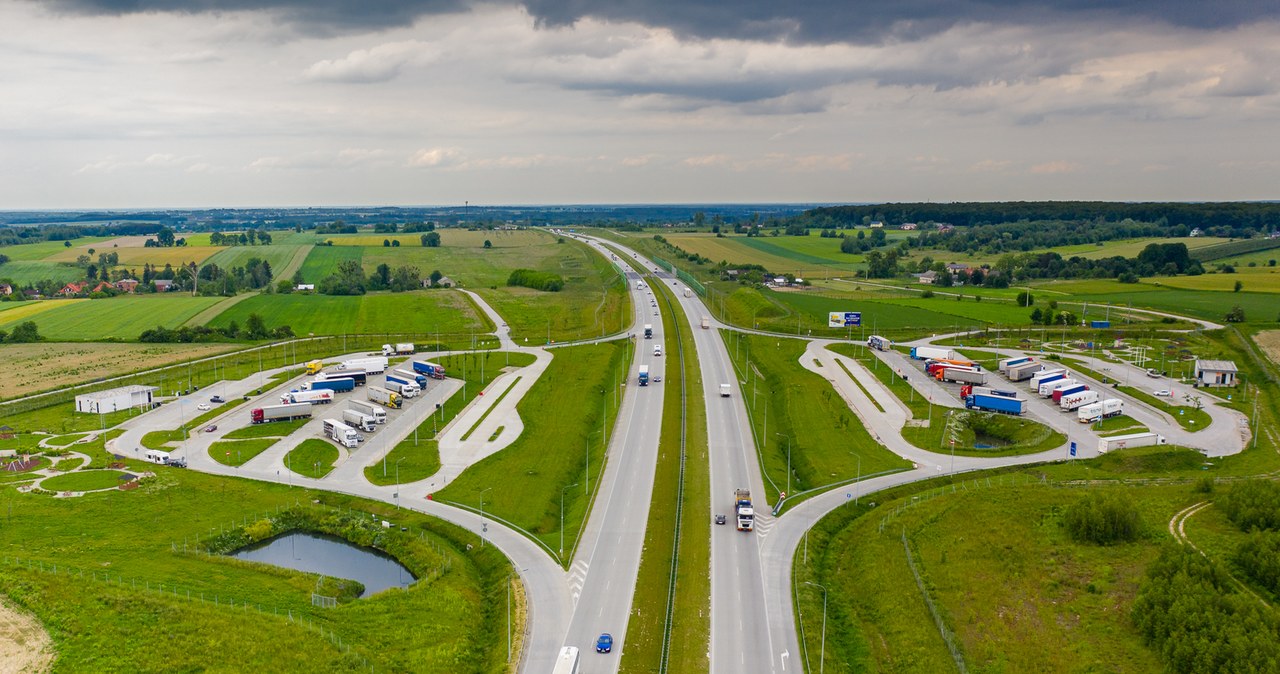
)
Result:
{"points": [[330, 556]]}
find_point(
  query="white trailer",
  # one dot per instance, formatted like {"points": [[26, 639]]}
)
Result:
{"points": [[373, 365], [725, 390], [1047, 388], [1132, 440], [1090, 413], [1039, 378], [360, 420], [966, 375], [1023, 371], [1077, 400], [706, 322], [379, 415], [401, 349], [341, 433], [934, 352], [156, 456], [688, 292], [879, 343], [1112, 407], [315, 397], [384, 397]]}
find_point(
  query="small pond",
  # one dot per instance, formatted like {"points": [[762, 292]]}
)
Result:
{"points": [[330, 556]]}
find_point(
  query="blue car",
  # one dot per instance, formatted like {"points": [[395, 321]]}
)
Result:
{"points": [[605, 643]]}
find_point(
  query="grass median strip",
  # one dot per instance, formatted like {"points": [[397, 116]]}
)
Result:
{"points": [[860, 386], [487, 412], [314, 458], [689, 617], [239, 452]]}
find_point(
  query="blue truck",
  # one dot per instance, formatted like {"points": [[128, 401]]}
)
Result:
{"points": [[433, 370], [406, 386], [1099, 324], [995, 403], [644, 375], [342, 385], [413, 376], [360, 378]]}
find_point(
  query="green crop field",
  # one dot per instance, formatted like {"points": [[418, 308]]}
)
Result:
{"points": [[45, 249], [429, 311], [1262, 279], [277, 256], [117, 317], [23, 272], [324, 260], [1258, 307]]}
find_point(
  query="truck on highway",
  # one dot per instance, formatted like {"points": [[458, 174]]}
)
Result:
{"points": [[639, 285], [1092, 412], [379, 415], [742, 509], [384, 397], [1047, 375], [989, 402], [317, 397], [643, 375], [415, 377], [341, 433], [688, 292], [358, 376], [344, 385], [1048, 387], [269, 413], [1061, 393], [359, 420], [1009, 362], [407, 387], [966, 375], [314, 366], [1023, 371], [648, 331], [401, 349], [879, 343], [1077, 400], [567, 661], [371, 365], [706, 323], [934, 352], [433, 370], [1130, 440], [725, 390]]}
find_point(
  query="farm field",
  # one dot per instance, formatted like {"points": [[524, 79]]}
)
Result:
{"points": [[1262, 258], [117, 317], [51, 364], [324, 260], [132, 251], [1213, 306], [275, 255], [45, 249], [23, 272], [422, 311], [1261, 279]]}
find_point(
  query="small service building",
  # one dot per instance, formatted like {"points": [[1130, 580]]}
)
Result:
{"points": [[1216, 373], [116, 399]]}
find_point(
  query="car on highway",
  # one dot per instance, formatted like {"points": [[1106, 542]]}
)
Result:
{"points": [[720, 519], [1164, 393], [605, 643], [1153, 373], [217, 399], [202, 406], [210, 428]]}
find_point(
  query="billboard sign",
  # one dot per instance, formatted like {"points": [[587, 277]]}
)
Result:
{"points": [[844, 319]]}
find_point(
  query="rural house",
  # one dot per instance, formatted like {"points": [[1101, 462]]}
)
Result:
{"points": [[72, 289], [927, 277], [163, 285], [126, 285], [1215, 373], [6, 289]]}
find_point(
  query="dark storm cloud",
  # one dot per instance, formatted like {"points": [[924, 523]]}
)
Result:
{"points": [[816, 21]]}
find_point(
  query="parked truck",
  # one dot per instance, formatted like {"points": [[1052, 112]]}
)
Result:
{"points": [[384, 397], [706, 322], [379, 415], [314, 366], [1047, 375], [408, 387], [317, 397], [879, 343], [1077, 400], [415, 377], [742, 509], [1023, 371], [1059, 394], [1048, 387], [433, 370], [1010, 362], [1131, 440], [644, 375], [965, 375], [344, 385], [371, 365], [269, 413], [341, 433], [988, 402], [358, 376], [648, 331], [359, 420], [967, 390], [934, 364], [401, 349], [934, 352]]}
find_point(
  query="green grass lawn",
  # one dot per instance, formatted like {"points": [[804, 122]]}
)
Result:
{"points": [[424, 311], [63, 418], [1119, 425], [324, 260], [419, 454], [34, 271], [827, 441], [122, 317], [239, 452], [275, 429], [1261, 279], [85, 480], [43, 249], [105, 607], [313, 458], [562, 415], [160, 439]]}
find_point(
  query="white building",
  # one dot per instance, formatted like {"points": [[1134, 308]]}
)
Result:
{"points": [[1215, 373], [116, 399]]}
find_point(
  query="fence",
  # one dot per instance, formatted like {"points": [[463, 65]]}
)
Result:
{"points": [[948, 636]]}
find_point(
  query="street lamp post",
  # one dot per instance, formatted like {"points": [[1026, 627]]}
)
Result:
{"points": [[822, 654], [562, 491], [483, 528], [788, 437], [857, 485], [398, 480]]}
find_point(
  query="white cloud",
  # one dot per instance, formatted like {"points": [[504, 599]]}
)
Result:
{"points": [[1052, 167], [436, 157], [377, 64]]}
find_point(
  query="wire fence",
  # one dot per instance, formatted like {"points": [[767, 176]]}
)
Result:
{"points": [[948, 637]]}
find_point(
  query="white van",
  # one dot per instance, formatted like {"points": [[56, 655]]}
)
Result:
{"points": [[657, 349], [724, 390]]}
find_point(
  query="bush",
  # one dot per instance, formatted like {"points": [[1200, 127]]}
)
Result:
{"points": [[538, 280], [1254, 504], [1103, 519], [1259, 559], [927, 293], [1236, 315]]}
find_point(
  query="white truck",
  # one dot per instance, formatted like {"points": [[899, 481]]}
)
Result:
{"points": [[371, 365], [706, 323], [384, 397], [648, 331], [379, 414], [688, 292], [1130, 440], [1075, 401], [405, 386], [341, 433], [1023, 371], [1047, 375], [1047, 388], [315, 397], [879, 343], [401, 349], [360, 420], [1100, 410], [725, 390], [742, 510]]}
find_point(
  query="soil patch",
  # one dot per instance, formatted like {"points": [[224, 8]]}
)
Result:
{"points": [[25, 646]]}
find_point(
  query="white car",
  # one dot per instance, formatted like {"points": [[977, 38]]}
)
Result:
{"points": [[1164, 393], [202, 406]]}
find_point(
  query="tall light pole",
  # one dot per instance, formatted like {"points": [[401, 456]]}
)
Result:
{"points": [[857, 485], [788, 437], [398, 480], [562, 491], [483, 527], [822, 655]]}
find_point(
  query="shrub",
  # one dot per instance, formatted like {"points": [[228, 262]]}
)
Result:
{"points": [[538, 280], [1259, 558], [1103, 519], [1253, 504]]}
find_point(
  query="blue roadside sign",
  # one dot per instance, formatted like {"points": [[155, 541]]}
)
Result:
{"points": [[1073, 448]]}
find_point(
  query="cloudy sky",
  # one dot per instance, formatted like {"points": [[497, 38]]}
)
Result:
{"points": [[173, 103]]}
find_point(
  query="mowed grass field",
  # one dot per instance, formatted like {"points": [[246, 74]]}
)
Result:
{"points": [[1257, 279], [275, 255], [324, 260], [51, 364], [117, 317], [23, 272], [422, 311]]}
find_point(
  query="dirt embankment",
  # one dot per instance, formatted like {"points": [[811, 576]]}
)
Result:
{"points": [[25, 648], [1269, 342]]}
